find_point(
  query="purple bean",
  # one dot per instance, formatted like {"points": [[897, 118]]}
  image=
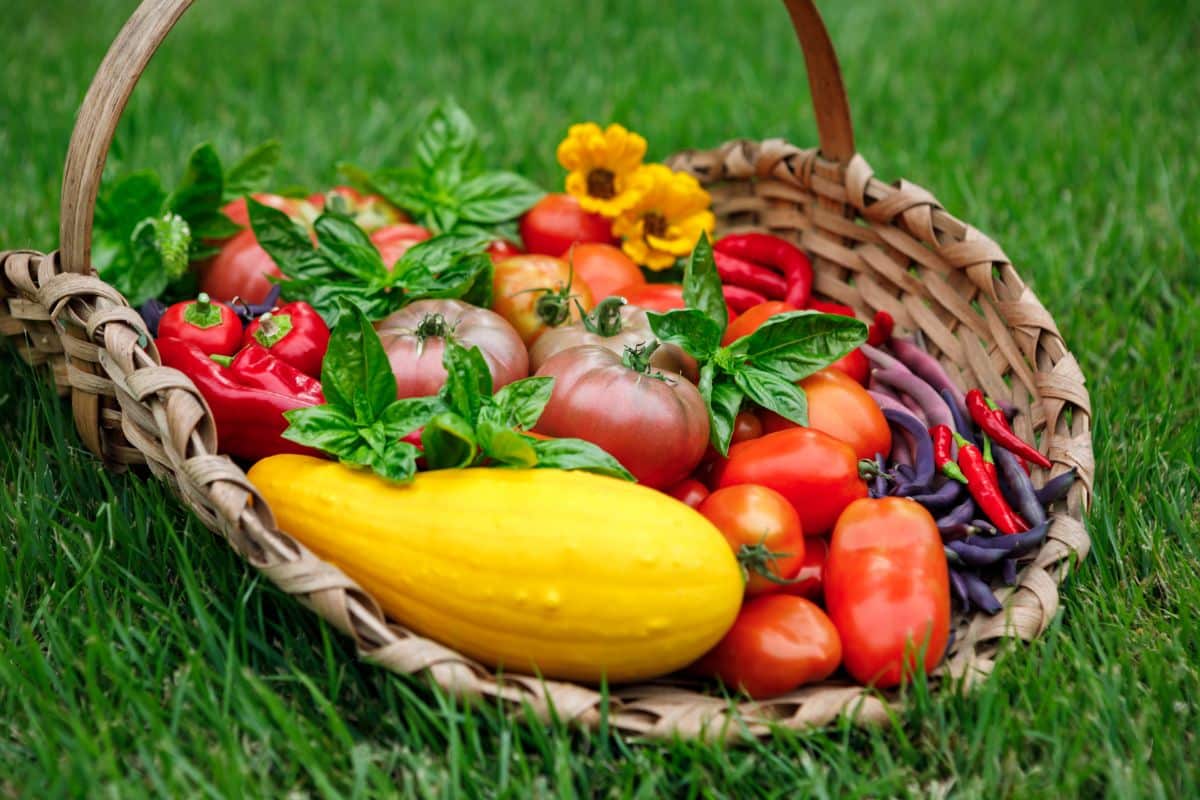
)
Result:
{"points": [[1056, 488], [901, 452], [981, 594], [152, 312], [1008, 572], [1017, 487], [881, 359], [880, 485], [248, 312], [960, 530], [885, 400], [949, 494], [1013, 544], [935, 407], [960, 588], [959, 415], [924, 455], [959, 515], [927, 367], [915, 409], [906, 472], [985, 527], [976, 556]]}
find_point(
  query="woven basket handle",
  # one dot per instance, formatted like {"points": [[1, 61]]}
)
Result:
{"points": [[153, 20]]}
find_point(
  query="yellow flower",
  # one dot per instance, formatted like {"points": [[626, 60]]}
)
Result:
{"points": [[601, 164], [667, 220]]}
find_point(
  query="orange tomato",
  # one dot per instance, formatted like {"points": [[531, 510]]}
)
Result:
{"points": [[753, 317], [603, 268], [840, 406], [763, 530]]}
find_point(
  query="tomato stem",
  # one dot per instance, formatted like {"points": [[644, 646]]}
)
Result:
{"points": [[637, 357], [761, 560], [605, 319]]}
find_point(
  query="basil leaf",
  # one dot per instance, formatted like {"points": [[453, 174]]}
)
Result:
{"points": [[690, 328], [797, 344], [496, 197], [465, 277], [397, 462], [253, 171], [211, 225], [403, 417], [447, 143], [330, 298], [439, 252], [503, 445], [140, 276], [403, 188], [724, 400], [468, 380], [449, 442], [322, 427], [577, 454], [200, 190], [702, 285], [127, 202], [772, 392], [521, 403], [345, 244], [356, 376], [286, 242]]}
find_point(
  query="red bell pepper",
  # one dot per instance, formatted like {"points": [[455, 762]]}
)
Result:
{"points": [[247, 398], [294, 333], [212, 327]]}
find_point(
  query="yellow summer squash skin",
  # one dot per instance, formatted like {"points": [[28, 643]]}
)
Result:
{"points": [[564, 574]]}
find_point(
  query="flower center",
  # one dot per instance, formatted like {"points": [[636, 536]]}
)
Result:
{"points": [[655, 224], [601, 183]]}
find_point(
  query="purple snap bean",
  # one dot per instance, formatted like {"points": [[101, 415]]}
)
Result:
{"points": [[927, 367], [1008, 572], [923, 461], [936, 410], [1017, 487], [981, 594], [1056, 488]]}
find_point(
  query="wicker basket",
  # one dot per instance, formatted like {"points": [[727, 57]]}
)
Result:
{"points": [[876, 246]]}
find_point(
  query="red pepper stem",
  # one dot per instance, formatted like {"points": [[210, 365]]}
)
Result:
{"points": [[272, 328], [987, 449], [203, 313], [224, 361]]}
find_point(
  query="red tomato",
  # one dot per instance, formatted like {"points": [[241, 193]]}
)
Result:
{"points": [[535, 293], [654, 425], [816, 473], [371, 212], [763, 530], [503, 248], [237, 211], [752, 317], [777, 643], [887, 589], [604, 268], [393, 241], [746, 426], [240, 270], [414, 339], [854, 364], [810, 579], [841, 407], [659, 297], [556, 222], [689, 491]]}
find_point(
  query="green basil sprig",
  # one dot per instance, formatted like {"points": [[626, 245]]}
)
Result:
{"points": [[447, 188], [344, 267], [763, 366], [145, 238], [362, 423]]}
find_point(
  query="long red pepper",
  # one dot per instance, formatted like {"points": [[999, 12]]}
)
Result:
{"points": [[778, 254], [736, 272], [943, 457], [739, 298], [995, 424], [881, 329], [985, 488]]}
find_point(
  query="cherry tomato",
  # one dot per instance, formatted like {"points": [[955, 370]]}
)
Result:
{"points": [[689, 491], [746, 426], [778, 643], [752, 317], [887, 589], [655, 425], [816, 473], [809, 581], [393, 241], [240, 270], [604, 268], [536, 293], [841, 407], [659, 297], [556, 222], [763, 530], [503, 248]]}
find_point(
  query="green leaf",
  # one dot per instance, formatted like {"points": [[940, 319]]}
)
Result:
{"points": [[213, 226], [324, 428], [403, 417], [724, 401], [127, 202], [702, 285], [449, 442], [200, 190], [520, 403], [447, 143], [141, 276], [496, 197], [797, 344], [398, 462], [403, 188], [772, 392], [468, 380], [286, 242], [253, 171], [503, 445], [577, 454], [345, 244], [356, 376], [690, 328]]}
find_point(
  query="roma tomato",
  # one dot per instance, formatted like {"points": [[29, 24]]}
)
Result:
{"points": [[763, 530], [887, 589], [809, 580], [816, 473], [415, 337], [240, 271], [536, 293], [752, 317], [689, 491], [777, 643], [841, 407], [655, 424], [604, 268], [393, 241], [556, 222]]}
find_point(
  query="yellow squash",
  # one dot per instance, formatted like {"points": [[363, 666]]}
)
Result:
{"points": [[565, 574]]}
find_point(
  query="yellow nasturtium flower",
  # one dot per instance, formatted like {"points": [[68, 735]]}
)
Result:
{"points": [[665, 223], [601, 164]]}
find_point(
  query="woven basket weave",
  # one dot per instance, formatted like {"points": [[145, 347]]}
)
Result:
{"points": [[877, 246]]}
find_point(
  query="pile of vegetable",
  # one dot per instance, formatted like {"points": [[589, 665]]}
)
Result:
{"points": [[573, 433]]}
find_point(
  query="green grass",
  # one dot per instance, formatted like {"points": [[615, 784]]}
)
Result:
{"points": [[138, 655]]}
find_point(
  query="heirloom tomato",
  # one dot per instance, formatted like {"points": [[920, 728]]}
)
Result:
{"points": [[536, 293], [556, 222], [763, 530]]}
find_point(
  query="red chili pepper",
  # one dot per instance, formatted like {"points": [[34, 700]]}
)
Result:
{"points": [[249, 419], [294, 333], [740, 299], [881, 329], [736, 272], [213, 327], [777, 254], [943, 453], [995, 424], [986, 489], [825, 307]]}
